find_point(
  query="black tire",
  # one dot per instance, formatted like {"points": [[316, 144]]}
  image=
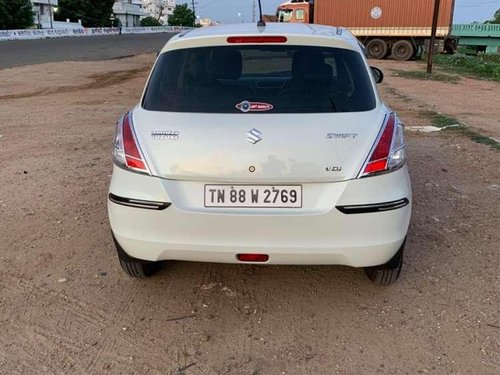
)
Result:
{"points": [[403, 50], [377, 49], [135, 267], [388, 273]]}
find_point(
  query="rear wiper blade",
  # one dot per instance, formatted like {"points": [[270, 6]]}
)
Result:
{"points": [[334, 107]]}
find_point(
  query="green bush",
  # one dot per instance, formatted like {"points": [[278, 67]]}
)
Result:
{"points": [[150, 21], [482, 66]]}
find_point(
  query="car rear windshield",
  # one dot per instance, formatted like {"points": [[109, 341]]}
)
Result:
{"points": [[264, 79]]}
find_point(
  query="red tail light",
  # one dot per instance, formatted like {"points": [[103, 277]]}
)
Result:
{"points": [[132, 154], [127, 152], [389, 151], [256, 39], [253, 257]]}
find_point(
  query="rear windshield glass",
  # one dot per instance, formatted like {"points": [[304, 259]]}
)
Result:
{"points": [[264, 79]]}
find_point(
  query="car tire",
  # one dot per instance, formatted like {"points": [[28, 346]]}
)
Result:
{"points": [[135, 267], [377, 49], [403, 50], [388, 273]]}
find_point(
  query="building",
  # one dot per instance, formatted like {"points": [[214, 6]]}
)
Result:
{"points": [[43, 11], [129, 12], [206, 22], [159, 9]]}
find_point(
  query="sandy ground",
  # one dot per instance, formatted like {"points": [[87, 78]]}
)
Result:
{"points": [[67, 308]]}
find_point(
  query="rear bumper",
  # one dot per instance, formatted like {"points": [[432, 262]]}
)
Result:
{"points": [[327, 236]]}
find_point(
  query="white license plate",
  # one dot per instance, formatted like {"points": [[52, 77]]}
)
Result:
{"points": [[253, 196]]}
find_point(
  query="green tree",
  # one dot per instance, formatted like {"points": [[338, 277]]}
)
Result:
{"points": [[93, 13], [15, 14], [150, 21], [496, 17], [182, 16]]}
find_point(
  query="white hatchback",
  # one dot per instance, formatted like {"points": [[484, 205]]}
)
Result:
{"points": [[261, 145]]}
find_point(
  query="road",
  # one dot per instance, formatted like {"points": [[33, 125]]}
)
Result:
{"points": [[66, 307], [26, 52]]}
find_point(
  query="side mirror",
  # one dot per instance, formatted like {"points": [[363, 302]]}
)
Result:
{"points": [[377, 74]]}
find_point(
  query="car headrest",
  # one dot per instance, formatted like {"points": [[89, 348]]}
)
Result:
{"points": [[226, 63]]}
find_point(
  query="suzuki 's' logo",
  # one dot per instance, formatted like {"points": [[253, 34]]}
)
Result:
{"points": [[254, 136]]}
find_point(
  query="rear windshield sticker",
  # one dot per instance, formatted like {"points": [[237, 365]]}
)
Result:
{"points": [[246, 106]]}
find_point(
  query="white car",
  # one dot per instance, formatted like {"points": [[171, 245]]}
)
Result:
{"points": [[261, 145]]}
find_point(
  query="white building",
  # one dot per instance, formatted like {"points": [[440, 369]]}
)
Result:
{"points": [[206, 22], [43, 11], [43, 16], [159, 9], [129, 12]]}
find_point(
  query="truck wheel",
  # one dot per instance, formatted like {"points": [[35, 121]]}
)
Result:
{"points": [[135, 267], [376, 49], [388, 273], [403, 50]]}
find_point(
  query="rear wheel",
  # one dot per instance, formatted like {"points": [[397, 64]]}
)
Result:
{"points": [[135, 267], [376, 49], [403, 50], [388, 273]]}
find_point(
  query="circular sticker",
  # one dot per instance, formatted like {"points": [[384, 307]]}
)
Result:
{"points": [[245, 106], [376, 13]]}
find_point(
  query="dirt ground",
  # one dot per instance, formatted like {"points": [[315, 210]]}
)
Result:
{"points": [[471, 101], [67, 308]]}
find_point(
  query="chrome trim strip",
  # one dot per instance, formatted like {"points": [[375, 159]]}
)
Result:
{"points": [[139, 203], [375, 207]]}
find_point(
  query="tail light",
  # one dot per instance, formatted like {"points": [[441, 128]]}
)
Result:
{"points": [[127, 153], [256, 39], [389, 151]]}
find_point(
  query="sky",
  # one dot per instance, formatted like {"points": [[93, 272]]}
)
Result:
{"points": [[226, 11]]}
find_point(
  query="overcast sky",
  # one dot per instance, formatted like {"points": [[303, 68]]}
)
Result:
{"points": [[226, 11]]}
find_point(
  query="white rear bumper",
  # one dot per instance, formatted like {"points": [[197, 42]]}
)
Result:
{"points": [[316, 236]]}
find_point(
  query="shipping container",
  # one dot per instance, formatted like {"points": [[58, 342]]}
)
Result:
{"points": [[382, 13], [401, 28]]}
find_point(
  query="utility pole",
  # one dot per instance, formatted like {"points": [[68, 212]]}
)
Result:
{"points": [[51, 15], [193, 5], [160, 13], [435, 19], [253, 12]]}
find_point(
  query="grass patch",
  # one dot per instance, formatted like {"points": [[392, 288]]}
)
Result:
{"points": [[451, 124], [481, 66], [440, 121], [398, 94], [418, 74], [475, 136]]}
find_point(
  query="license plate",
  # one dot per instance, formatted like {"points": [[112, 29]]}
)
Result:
{"points": [[253, 196]]}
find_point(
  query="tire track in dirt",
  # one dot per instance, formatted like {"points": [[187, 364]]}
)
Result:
{"points": [[97, 81], [63, 342], [110, 332], [76, 306]]}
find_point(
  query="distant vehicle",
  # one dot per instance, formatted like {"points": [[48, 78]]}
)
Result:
{"points": [[261, 145], [401, 28]]}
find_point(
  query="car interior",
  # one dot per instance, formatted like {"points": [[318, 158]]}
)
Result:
{"points": [[292, 79]]}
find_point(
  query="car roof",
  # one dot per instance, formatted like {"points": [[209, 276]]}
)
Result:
{"points": [[297, 33]]}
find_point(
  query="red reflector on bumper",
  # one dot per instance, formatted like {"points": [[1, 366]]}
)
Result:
{"points": [[252, 257]]}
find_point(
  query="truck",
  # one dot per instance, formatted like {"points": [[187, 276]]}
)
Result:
{"points": [[397, 28]]}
